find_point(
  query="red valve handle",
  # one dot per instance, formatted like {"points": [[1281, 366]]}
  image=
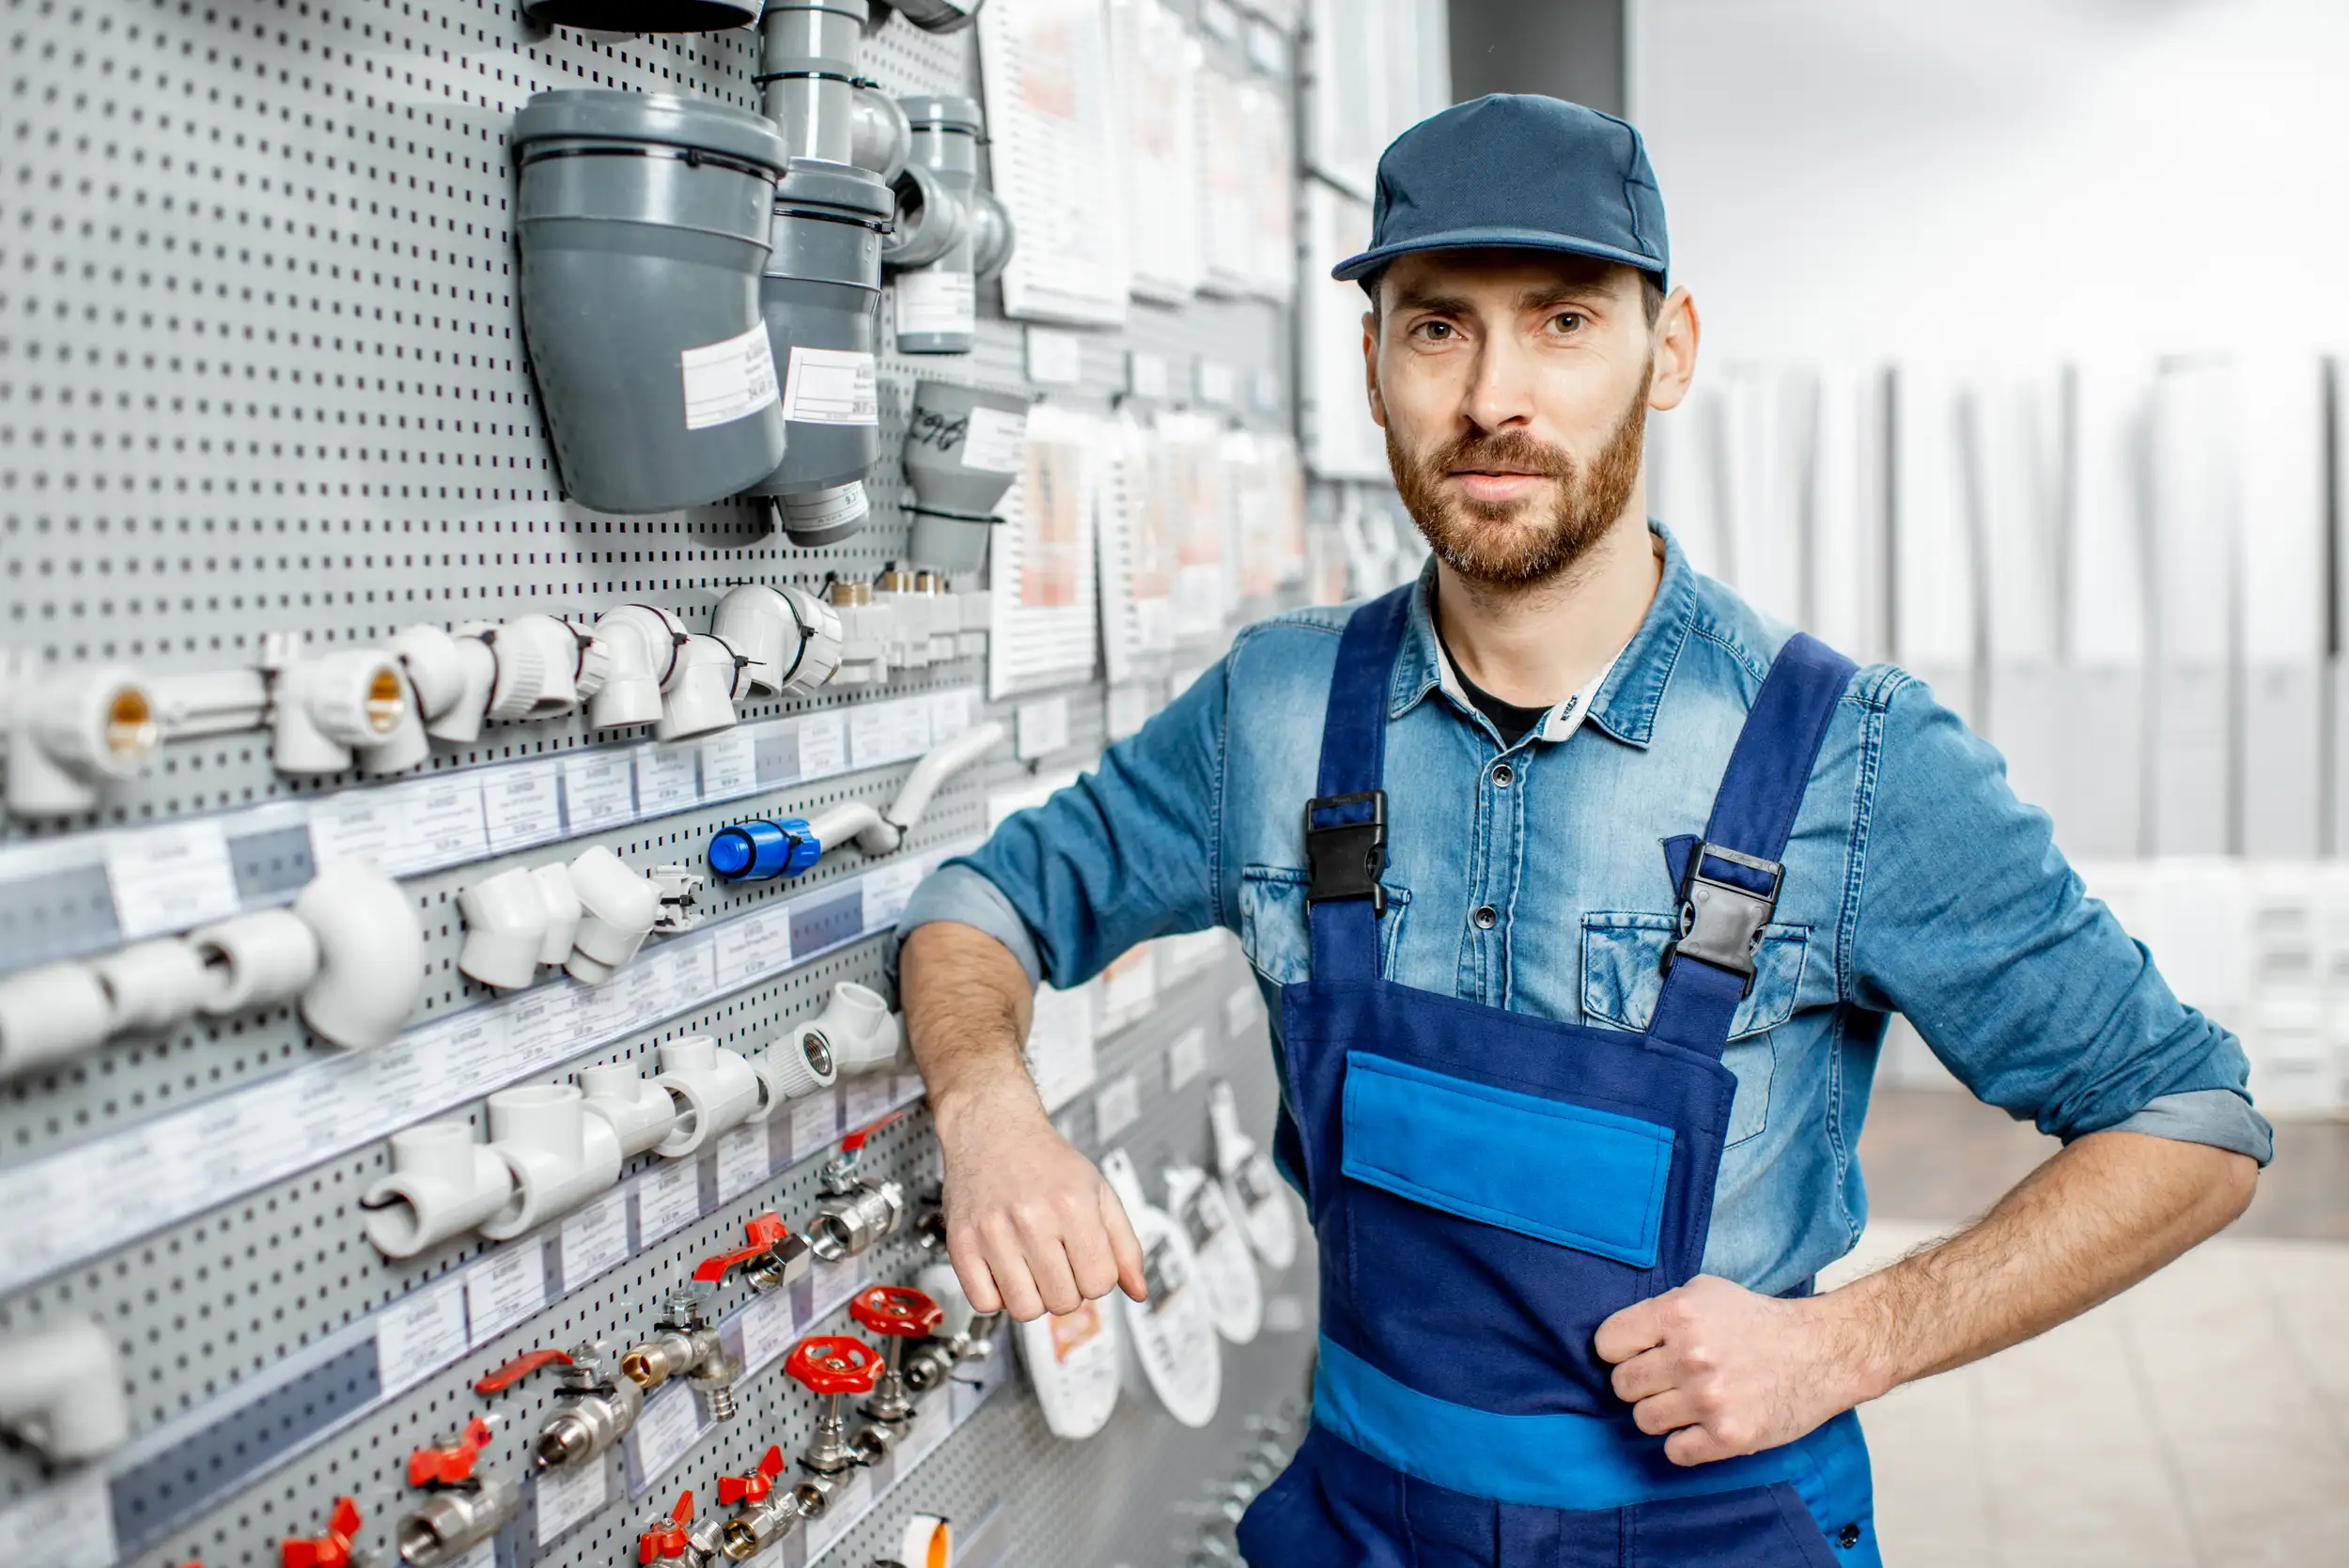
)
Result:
{"points": [[764, 1231], [855, 1141], [331, 1550], [835, 1365], [733, 1489], [897, 1311], [521, 1367], [668, 1541], [448, 1466]]}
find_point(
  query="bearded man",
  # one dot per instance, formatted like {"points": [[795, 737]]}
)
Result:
{"points": [[1582, 910]]}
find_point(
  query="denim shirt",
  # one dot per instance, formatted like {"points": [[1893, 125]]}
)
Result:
{"points": [[1916, 882]]}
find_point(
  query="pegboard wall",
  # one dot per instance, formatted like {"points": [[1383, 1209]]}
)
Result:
{"points": [[261, 373]]}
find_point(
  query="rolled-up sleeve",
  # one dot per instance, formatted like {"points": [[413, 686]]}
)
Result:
{"points": [[1125, 853], [1968, 921]]}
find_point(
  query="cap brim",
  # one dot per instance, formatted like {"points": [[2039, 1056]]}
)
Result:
{"points": [[1491, 239]]}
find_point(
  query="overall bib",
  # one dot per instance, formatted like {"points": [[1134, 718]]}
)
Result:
{"points": [[1487, 1188]]}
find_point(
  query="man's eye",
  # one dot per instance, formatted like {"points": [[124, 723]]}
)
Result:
{"points": [[1435, 331], [1566, 321]]}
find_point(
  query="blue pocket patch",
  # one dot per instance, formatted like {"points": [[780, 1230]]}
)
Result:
{"points": [[1581, 1178]]}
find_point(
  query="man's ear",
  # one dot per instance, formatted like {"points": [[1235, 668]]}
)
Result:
{"points": [[1370, 368], [1673, 341]]}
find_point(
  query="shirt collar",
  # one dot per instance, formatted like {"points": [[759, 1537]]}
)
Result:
{"points": [[1629, 690]]}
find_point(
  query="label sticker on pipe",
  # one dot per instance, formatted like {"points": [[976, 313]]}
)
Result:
{"points": [[729, 380], [937, 300], [996, 442], [831, 386], [170, 879]]}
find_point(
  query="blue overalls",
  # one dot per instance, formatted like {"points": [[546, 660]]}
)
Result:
{"points": [[1487, 1188]]}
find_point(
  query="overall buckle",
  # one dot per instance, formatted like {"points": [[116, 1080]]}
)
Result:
{"points": [[1343, 860], [1721, 922]]}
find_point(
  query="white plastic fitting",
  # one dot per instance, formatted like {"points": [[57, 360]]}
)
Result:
{"points": [[61, 1392], [790, 637], [617, 908], [909, 642], [865, 629], [50, 1013], [713, 1089], [561, 902], [326, 709], [842, 822], [210, 701], [942, 762], [442, 1184], [796, 1062], [254, 960], [477, 674], [506, 929], [152, 984], [371, 954], [858, 1029], [638, 1110], [435, 673], [642, 647], [699, 698], [558, 1155], [71, 734], [975, 608], [406, 747], [539, 661]]}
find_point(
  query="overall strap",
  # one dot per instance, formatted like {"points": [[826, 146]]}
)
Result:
{"points": [[1345, 822], [1730, 882]]}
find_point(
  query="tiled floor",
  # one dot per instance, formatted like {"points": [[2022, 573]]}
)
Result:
{"points": [[2200, 1419]]}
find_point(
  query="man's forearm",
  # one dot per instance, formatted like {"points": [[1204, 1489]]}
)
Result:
{"points": [[966, 1008], [2100, 1216]]}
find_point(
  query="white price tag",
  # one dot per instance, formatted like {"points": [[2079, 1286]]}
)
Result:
{"points": [[595, 1239], [950, 714], [997, 439], [814, 1121], [443, 824], [170, 879], [886, 892], [872, 736], [504, 1290], [1217, 383], [666, 1429], [419, 1336], [568, 1494], [742, 1162], [1118, 1107], [936, 300], [1147, 374], [729, 380], [1128, 709], [909, 727], [767, 1328], [665, 779], [869, 1096], [1055, 358], [519, 805], [360, 822], [823, 745], [71, 1525], [753, 946], [1042, 727], [831, 386], [669, 1196], [1187, 1058], [596, 789], [1239, 1010], [729, 765]]}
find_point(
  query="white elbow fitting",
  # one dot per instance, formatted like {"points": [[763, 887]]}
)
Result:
{"points": [[713, 1090], [847, 820], [790, 637], [699, 699], [794, 1065], [406, 747], [643, 647], [435, 664], [61, 1392], [558, 1155], [476, 672], [638, 1110], [506, 929], [617, 908], [254, 960], [326, 709], [152, 984], [858, 1029], [49, 1014], [943, 761], [69, 735], [442, 1184], [371, 954], [561, 902]]}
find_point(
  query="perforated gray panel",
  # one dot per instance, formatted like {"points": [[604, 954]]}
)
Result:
{"points": [[259, 373]]}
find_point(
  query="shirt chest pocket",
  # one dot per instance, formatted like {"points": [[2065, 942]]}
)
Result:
{"points": [[1623, 974], [1274, 933]]}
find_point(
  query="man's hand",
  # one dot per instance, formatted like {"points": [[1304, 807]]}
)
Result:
{"points": [[1727, 1371], [1032, 1226]]}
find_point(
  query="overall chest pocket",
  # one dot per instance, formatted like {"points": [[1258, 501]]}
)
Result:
{"points": [[1623, 974], [1274, 933]]}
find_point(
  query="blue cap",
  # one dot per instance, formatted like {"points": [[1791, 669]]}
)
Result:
{"points": [[759, 852], [1521, 171]]}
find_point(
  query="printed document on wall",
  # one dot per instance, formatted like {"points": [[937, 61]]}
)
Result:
{"points": [[1341, 440], [1194, 489], [1157, 75], [1044, 65], [1043, 594], [1137, 555]]}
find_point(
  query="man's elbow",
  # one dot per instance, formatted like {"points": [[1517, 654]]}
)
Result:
{"points": [[2238, 1180]]}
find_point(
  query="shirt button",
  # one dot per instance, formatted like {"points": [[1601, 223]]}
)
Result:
{"points": [[1503, 775], [1487, 917]]}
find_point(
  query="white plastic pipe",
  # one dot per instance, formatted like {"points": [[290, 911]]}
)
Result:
{"points": [[638, 1110], [617, 908], [49, 1014], [560, 901], [857, 1029], [152, 984], [71, 734], [61, 1392], [442, 1184], [254, 960], [913, 797], [505, 928], [210, 701], [713, 1088], [558, 1155], [842, 822], [322, 709], [371, 954]]}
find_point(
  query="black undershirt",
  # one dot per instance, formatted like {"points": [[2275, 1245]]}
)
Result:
{"points": [[1514, 723]]}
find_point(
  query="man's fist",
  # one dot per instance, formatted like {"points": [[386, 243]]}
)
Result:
{"points": [[1727, 1371]]}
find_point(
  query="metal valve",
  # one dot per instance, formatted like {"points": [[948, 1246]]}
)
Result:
{"points": [[680, 1538], [773, 1257], [686, 1344], [898, 1315], [461, 1508], [335, 1550], [853, 1216], [832, 1365], [763, 1515], [598, 1408]]}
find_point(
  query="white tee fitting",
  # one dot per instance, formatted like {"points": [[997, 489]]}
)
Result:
{"points": [[476, 673], [49, 1014], [638, 1110], [61, 1392], [324, 710], [790, 637], [713, 1088], [617, 908], [152, 984], [795, 1063], [371, 954], [642, 647], [71, 734], [506, 929], [561, 902], [858, 1029], [558, 1155], [699, 698], [256, 960], [442, 1184]]}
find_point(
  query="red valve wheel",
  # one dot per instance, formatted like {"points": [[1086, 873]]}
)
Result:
{"points": [[755, 1488], [835, 1365], [519, 1368], [668, 1541], [897, 1311]]}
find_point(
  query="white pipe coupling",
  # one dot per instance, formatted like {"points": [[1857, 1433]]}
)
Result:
{"points": [[560, 900], [441, 1184], [857, 1030], [71, 734], [617, 908], [370, 947], [639, 1111], [713, 1089], [61, 1392], [558, 1156], [794, 1065], [543, 667], [50, 1014], [256, 960], [152, 984], [324, 709]]}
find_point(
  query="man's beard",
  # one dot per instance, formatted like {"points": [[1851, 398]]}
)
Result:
{"points": [[1511, 543]]}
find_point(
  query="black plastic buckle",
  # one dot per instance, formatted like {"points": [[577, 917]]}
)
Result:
{"points": [[1720, 920], [1343, 860]]}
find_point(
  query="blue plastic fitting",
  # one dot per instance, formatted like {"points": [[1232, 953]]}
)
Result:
{"points": [[761, 851]]}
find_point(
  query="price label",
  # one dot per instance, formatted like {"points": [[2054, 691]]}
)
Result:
{"points": [[665, 779], [1187, 1058], [71, 1525], [170, 879], [505, 1290], [595, 1239], [768, 1328], [756, 945], [669, 1196], [950, 713], [872, 737], [742, 1162], [729, 765], [869, 1097], [1146, 374], [886, 892], [1217, 383], [567, 1494], [823, 745], [814, 1121], [521, 805], [1118, 1107], [420, 1335], [1055, 358], [361, 822], [666, 1429], [597, 791], [909, 727], [1042, 727]]}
